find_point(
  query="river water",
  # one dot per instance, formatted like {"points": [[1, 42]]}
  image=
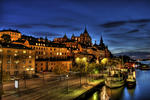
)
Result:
{"points": [[140, 92]]}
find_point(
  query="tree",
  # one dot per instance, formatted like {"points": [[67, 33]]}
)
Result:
{"points": [[6, 37]]}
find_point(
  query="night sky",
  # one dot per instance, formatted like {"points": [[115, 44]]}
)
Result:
{"points": [[124, 24]]}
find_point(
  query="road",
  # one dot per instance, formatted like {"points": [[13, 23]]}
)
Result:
{"points": [[38, 89]]}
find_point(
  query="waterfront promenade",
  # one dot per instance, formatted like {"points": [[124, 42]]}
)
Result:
{"points": [[50, 89]]}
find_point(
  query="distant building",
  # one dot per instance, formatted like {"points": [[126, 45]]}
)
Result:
{"points": [[15, 34], [83, 39]]}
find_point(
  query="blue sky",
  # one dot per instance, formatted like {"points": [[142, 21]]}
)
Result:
{"points": [[124, 24]]}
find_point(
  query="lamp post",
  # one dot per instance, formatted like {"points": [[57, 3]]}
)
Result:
{"points": [[1, 72], [30, 70], [67, 76]]}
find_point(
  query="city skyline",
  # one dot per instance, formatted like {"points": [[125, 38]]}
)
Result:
{"points": [[121, 22]]}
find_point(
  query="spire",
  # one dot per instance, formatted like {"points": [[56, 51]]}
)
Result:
{"points": [[85, 30], [65, 36], [101, 40], [95, 41], [73, 35]]}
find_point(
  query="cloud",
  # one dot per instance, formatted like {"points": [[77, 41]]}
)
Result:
{"points": [[48, 34], [133, 31], [120, 23], [44, 25], [75, 29], [113, 24], [140, 21], [141, 25]]}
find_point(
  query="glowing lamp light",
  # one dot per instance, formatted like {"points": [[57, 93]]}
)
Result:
{"points": [[104, 61]]}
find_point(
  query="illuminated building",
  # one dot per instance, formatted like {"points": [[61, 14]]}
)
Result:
{"points": [[17, 59], [46, 65], [15, 34]]}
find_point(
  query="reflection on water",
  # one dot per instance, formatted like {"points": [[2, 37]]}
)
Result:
{"points": [[140, 92]]}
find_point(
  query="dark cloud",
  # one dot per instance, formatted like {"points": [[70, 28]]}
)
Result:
{"points": [[141, 25], [44, 25], [120, 23], [140, 21], [135, 54], [75, 29], [22, 26], [113, 24], [133, 31], [48, 34]]}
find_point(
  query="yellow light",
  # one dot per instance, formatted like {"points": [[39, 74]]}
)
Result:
{"points": [[84, 59], [1, 50], [24, 51], [32, 68], [104, 61], [77, 59], [27, 69]]}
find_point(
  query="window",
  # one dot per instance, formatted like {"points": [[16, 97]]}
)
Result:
{"points": [[30, 61], [1, 50], [8, 56], [8, 51], [8, 66], [8, 61], [30, 56], [24, 51]]}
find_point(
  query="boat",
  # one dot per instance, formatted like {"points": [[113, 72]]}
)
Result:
{"points": [[115, 81], [131, 80]]}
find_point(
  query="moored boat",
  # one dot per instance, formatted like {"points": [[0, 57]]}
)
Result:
{"points": [[115, 81], [131, 80]]}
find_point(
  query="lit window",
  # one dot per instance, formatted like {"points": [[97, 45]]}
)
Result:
{"points": [[24, 51], [1, 50], [30, 56], [60, 53], [57, 53], [44, 53], [37, 57]]}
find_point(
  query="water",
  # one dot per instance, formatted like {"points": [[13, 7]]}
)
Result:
{"points": [[140, 92]]}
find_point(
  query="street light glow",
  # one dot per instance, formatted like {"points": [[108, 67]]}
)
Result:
{"points": [[104, 61]]}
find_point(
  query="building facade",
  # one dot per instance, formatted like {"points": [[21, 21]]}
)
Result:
{"points": [[14, 34], [17, 59]]}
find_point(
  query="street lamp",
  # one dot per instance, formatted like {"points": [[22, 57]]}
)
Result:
{"points": [[67, 76], [82, 61]]}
